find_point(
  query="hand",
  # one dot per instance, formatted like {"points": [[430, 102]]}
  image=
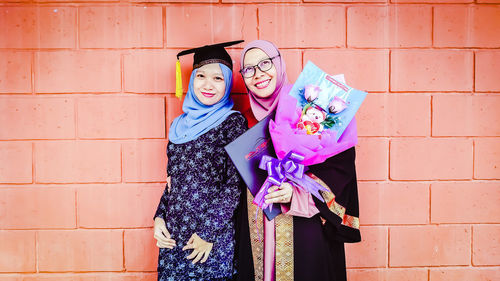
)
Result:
{"points": [[168, 183], [279, 194], [161, 234], [201, 248]]}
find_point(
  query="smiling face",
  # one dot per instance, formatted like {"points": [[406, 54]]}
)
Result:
{"points": [[208, 84], [263, 83]]}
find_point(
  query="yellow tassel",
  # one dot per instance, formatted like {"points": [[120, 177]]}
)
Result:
{"points": [[178, 80]]}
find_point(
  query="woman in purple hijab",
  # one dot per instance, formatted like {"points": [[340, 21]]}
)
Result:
{"points": [[306, 241]]}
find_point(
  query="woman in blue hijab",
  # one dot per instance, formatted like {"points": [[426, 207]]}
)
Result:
{"points": [[194, 225]]}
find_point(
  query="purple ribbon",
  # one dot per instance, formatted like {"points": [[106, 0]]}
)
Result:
{"points": [[288, 169]]}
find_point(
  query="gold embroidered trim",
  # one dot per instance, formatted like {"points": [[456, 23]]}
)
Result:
{"points": [[257, 244], [284, 248], [336, 208]]}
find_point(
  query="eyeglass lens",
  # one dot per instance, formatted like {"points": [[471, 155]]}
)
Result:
{"points": [[263, 65]]}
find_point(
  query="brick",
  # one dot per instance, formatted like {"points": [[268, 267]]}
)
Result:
{"points": [[121, 27], [394, 115], [327, 21], [117, 206], [37, 118], [373, 249], [37, 27], [38, 210], [175, 1], [479, 115], [487, 62], [429, 246], [144, 161], [77, 71], [384, 274], [173, 109], [486, 244], [464, 274], [121, 117], [80, 250], [428, 159], [88, 276], [71, 1], [220, 24], [394, 203], [260, 1], [466, 202], [389, 26], [18, 251], [367, 70], [372, 158], [467, 26], [15, 71], [293, 62], [431, 70], [432, 1], [153, 71], [141, 252], [487, 158], [18, 168], [77, 161], [347, 1]]}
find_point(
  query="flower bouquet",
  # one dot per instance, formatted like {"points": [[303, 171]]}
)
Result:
{"points": [[316, 119]]}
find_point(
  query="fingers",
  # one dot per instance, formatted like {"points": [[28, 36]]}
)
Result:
{"points": [[188, 246], [193, 254], [278, 196], [164, 230], [206, 254], [169, 245], [198, 257]]}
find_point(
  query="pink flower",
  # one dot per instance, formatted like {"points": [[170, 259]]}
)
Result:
{"points": [[337, 105], [311, 92]]}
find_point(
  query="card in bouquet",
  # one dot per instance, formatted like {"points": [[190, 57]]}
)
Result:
{"points": [[327, 103], [246, 152]]}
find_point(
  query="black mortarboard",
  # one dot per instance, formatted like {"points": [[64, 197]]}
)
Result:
{"points": [[204, 55]]}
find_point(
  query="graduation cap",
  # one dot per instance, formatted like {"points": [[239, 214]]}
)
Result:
{"points": [[204, 55]]}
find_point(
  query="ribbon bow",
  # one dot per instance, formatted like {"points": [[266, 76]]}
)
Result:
{"points": [[289, 168]]}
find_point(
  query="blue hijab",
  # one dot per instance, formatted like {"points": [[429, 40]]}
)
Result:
{"points": [[199, 118]]}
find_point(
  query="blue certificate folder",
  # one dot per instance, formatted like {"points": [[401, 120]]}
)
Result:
{"points": [[246, 152]]}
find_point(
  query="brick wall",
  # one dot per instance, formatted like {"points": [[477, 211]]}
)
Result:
{"points": [[86, 100]]}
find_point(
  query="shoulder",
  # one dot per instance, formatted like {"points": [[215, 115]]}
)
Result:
{"points": [[235, 119]]}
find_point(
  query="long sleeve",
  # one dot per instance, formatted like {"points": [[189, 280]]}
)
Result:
{"points": [[341, 206], [222, 206], [162, 205]]}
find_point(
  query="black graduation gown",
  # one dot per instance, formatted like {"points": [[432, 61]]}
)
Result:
{"points": [[318, 244]]}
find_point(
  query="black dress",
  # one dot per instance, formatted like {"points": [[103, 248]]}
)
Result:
{"points": [[204, 194], [318, 242]]}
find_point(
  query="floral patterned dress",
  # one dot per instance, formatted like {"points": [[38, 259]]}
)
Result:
{"points": [[204, 194]]}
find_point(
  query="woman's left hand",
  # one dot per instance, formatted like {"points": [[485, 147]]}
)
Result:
{"points": [[201, 248], [279, 194]]}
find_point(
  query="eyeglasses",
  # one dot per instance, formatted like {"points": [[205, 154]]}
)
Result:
{"points": [[263, 65]]}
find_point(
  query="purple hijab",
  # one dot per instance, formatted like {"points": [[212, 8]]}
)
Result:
{"points": [[261, 107]]}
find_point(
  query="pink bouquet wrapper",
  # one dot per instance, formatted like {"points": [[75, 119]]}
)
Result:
{"points": [[316, 149]]}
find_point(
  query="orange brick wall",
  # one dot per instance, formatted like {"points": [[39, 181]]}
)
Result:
{"points": [[86, 98]]}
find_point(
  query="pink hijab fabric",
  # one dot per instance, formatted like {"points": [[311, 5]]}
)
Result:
{"points": [[261, 107]]}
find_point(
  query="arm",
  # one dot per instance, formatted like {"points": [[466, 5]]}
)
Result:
{"points": [[161, 234], [340, 209], [222, 206]]}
